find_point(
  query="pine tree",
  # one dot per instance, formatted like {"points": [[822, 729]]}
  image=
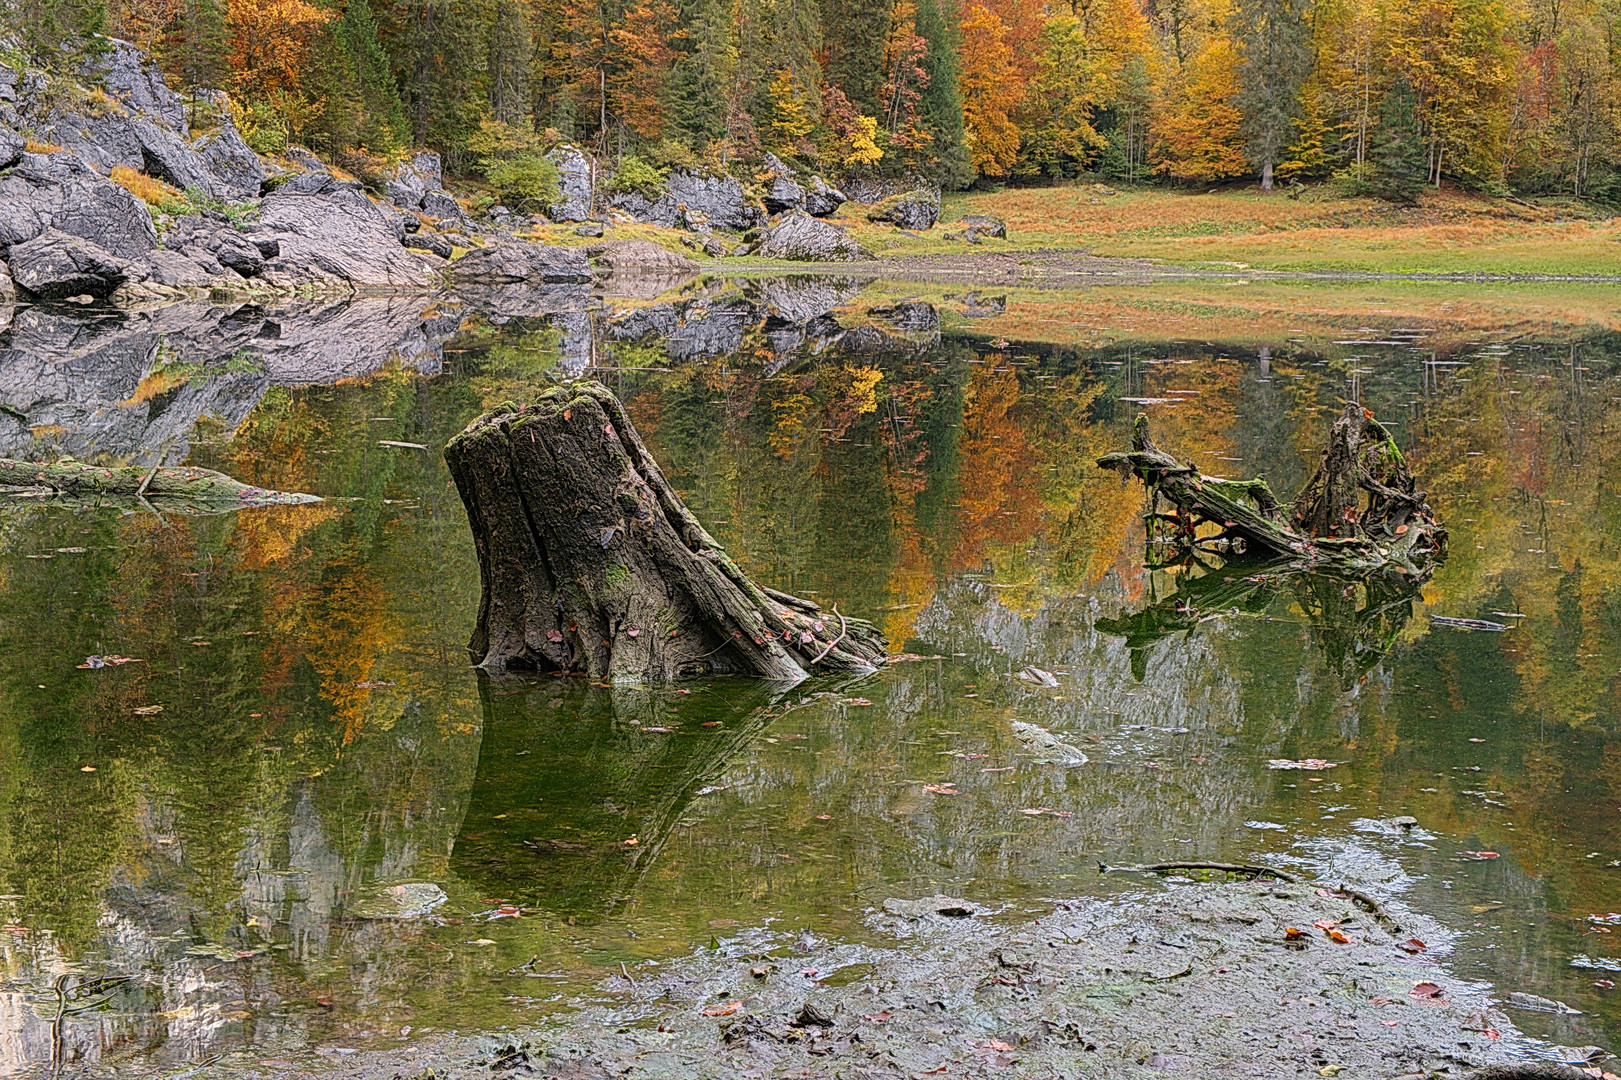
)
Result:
{"points": [[701, 84], [941, 107], [196, 49], [57, 33], [511, 50], [1274, 44], [381, 120], [856, 33], [1398, 154]]}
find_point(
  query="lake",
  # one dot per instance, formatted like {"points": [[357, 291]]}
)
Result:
{"points": [[254, 800]]}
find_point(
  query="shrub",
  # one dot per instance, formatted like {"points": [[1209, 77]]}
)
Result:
{"points": [[150, 190], [640, 176], [525, 178], [261, 127]]}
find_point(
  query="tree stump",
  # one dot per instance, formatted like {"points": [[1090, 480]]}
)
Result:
{"points": [[591, 563], [1360, 512]]}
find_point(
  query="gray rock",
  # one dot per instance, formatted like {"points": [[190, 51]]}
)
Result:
{"points": [[799, 237], [129, 76], [51, 191], [11, 147], [622, 256], [316, 182], [741, 250], [439, 205], [576, 182], [169, 157], [590, 228], [783, 194], [236, 170], [8, 290], [802, 298], [1048, 748], [978, 306], [913, 316], [985, 225], [506, 264], [409, 181], [431, 242], [693, 201], [917, 209], [337, 238], [207, 242], [408, 900], [821, 198], [944, 907], [101, 142], [56, 265], [173, 270]]}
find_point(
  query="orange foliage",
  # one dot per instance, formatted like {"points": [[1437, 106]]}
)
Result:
{"points": [[1198, 136], [991, 92], [270, 41], [645, 59]]}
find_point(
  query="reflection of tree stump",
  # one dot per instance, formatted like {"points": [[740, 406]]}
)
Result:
{"points": [[591, 562], [1361, 512]]}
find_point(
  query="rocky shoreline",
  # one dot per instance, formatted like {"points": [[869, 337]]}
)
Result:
{"points": [[1262, 979]]}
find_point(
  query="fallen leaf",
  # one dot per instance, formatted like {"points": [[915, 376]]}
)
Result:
{"points": [[1412, 945], [1604, 984], [724, 1010], [1329, 1070], [856, 701], [940, 789], [1291, 933], [1492, 1033], [878, 1017], [1478, 855], [824, 817], [1425, 990], [1338, 937], [1390, 1023], [997, 1045], [87, 768], [554, 636], [1326, 925], [633, 632]]}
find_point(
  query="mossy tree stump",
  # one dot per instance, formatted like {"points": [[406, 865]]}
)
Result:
{"points": [[591, 563]]}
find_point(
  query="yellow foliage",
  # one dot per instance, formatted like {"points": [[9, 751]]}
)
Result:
{"points": [[34, 146], [863, 146], [149, 189], [158, 381]]}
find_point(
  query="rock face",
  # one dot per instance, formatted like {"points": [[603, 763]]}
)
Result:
{"points": [[822, 199], [138, 83], [577, 183], [167, 269], [52, 191], [55, 265], [206, 242], [336, 237], [219, 165], [237, 171], [783, 194], [439, 205], [430, 242], [11, 147], [633, 256], [984, 225], [507, 264], [694, 201], [911, 316], [917, 210], [8, 290], [799, 237]]}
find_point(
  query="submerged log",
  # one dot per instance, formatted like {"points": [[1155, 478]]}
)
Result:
{"points": [[591, 563], [1360, 512], [183, 483]]}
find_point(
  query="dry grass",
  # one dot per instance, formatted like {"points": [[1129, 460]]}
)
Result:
{"points": [[149, 189], [1448, 232], [34, 146]]}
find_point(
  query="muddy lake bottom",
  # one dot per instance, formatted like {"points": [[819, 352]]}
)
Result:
{"points": [[257, 813]]}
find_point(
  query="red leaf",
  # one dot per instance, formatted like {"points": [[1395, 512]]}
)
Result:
{"points": [[1412, 945], [1425, 990], [878, 1017], [723, 1010], [1325, 925]]}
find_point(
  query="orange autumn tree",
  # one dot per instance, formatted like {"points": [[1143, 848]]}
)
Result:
{"points": [[644, 62], [991, 92], [270, 42], [1198, 134]]}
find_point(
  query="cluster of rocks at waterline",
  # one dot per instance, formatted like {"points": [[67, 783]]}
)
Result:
{"points": [[1198, 980]]}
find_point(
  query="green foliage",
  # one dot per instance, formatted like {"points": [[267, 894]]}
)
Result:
{"points": [[1399, 166], [642, 177], [941, 106], [57, 34], [513, 160], [262, 128], [1274, 43]]}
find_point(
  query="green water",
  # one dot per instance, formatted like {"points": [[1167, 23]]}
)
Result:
{"points": [[203, 879]]}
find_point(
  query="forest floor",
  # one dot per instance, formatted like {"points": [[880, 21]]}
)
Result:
{"points": [[1448, 232], [1260, 979]]}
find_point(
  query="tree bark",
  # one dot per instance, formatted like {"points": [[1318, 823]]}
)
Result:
{"points": [[1360, 512], [591, 563], [202, 487]]}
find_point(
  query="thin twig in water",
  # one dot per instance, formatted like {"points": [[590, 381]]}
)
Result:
{"points": [[1373, 906], [843, 627], [628, 979], [1231, 868], [148, 480], [1173, 975]]}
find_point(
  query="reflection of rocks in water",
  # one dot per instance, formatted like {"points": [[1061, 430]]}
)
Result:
{"points": [[579, 342], [500, 302], [801, 298], [133, 384]]}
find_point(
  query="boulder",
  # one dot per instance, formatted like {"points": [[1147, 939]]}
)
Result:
{"points": [[821, 198], [440, 205], [634, 256], [213, 244], [101, 142], [169, 157], [576, 182], [693, 201], [783, 194], [173, 270], [56, 265], [984, 225], [912, 316], [802, 238], [590, 228], [409, 181], [506, 264], [802, 298], [316, 182], [12, 146], [236, 170], [8, 289], [430, 242], [52, 191], [127, 74], [917, 210], [337, 237]]}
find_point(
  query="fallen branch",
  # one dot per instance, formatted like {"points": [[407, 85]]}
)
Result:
{"points": [[179, 482], [1231, 868], [1368, 903]]}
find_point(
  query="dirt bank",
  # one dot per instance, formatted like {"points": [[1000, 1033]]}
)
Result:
{"points": [[1198, 980]]}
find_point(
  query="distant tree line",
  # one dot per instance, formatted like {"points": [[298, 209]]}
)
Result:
{"points": [[1386, 95]]}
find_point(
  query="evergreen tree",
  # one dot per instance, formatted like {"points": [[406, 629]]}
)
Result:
{"points": [[701, 86], [942, 99], [856, 32], [1274, 44], [381, 118], [1398, 155], [511, 50], [196, 50]]}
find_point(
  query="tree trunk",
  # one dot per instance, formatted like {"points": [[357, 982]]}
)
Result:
{"points": [[591, 563], [1359, 512], [200, 487], [1266, 177]]}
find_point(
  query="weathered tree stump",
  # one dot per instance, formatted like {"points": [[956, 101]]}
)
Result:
{"points": [[1360, 512], [591, 562], [183, 483]]}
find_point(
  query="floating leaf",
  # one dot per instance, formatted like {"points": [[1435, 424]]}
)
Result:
{"points": [[1311, 764], [149, 710], [724, 1010]]}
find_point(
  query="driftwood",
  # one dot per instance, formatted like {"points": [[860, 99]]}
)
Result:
{"points": [[1360, 512], [591, 563], [186, 484]]}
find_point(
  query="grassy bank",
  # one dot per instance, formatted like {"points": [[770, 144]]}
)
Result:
{"points": [[1447, 232]]}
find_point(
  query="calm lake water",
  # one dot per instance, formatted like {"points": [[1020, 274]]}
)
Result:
{"points": [[201, 850]]}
